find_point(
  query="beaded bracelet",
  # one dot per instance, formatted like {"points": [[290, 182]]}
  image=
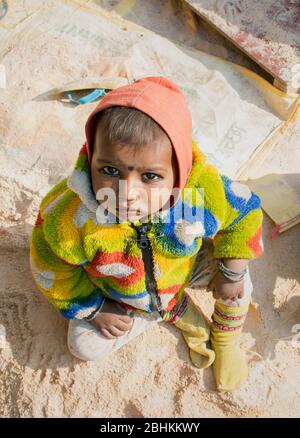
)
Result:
{"points": [[231, 275]]}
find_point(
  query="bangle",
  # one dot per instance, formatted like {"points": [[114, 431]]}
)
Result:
{"points": [[231, 275], [95, 312]]}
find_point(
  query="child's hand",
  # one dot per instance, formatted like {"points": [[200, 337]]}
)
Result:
{"points": [[225, 289], [112, 321]]}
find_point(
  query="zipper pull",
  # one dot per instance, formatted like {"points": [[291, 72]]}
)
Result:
{"points": [[143, 244], [142, 240]]}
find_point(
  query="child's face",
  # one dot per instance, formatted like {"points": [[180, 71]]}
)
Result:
{"points": [[147, 175]]}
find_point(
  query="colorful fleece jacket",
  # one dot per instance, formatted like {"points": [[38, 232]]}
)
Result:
{"points": [[79, 256]]}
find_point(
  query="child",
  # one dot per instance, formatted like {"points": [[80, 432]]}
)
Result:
{"points": [[141, 218]]}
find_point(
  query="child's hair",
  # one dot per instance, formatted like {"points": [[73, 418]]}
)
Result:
{"points": [[125, 125]]}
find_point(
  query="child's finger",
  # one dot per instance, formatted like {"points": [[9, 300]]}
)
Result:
{"points": [[107, 334], [241, 294], [126, 319], [115, 331], [121, 325]]}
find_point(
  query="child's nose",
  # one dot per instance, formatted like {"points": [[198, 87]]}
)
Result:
{"points": [[129, 190]]}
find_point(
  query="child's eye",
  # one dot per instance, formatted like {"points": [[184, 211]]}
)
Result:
{"points": [[112, 171], [151, 176]]}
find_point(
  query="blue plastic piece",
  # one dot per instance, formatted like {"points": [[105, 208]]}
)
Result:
{"points": [[95, 94]]}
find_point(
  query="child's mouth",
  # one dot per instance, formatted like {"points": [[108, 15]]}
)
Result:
{"points": [[129, 211], [124, 212]]}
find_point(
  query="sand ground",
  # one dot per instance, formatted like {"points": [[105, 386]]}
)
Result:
{"points": [[152, 376]]}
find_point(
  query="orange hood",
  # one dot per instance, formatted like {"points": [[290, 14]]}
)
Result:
{"points": [[164, 102]]}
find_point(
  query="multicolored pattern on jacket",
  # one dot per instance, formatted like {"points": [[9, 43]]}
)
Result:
{"points": [[79, 257]]}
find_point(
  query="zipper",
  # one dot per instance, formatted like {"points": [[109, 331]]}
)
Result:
{"points": [[144, 244]]}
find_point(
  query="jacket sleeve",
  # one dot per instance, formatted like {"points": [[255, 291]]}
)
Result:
{"points": [[232, 213], [239, 233], [66, 286]]}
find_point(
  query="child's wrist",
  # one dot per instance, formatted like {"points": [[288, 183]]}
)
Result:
{"points": [[95, 312], [230, 274], [236, 265]]}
